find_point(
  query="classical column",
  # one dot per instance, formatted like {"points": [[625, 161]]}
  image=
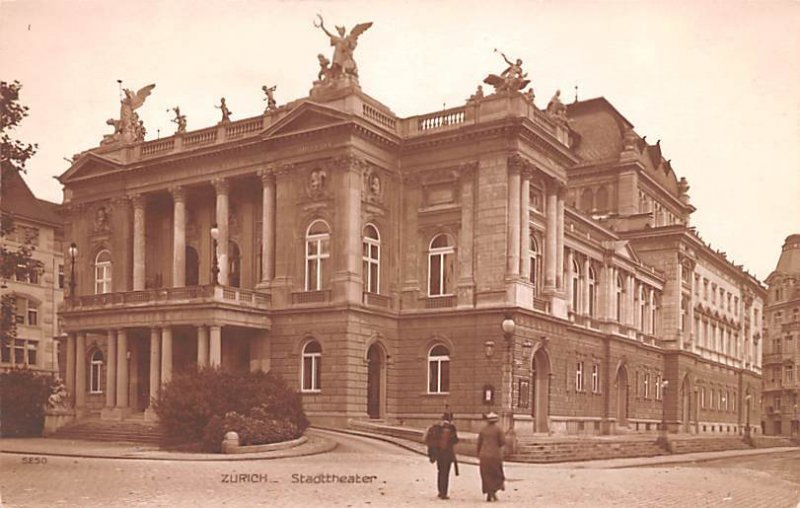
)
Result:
{"points": [[524, 227], [139, 204], [122, 369], [215, 346], [166, 354], [222, 187], [551, 238], [155, 363], [71, 364], [178, 237], [560, 237], [111, 370], [267, 225], [80, 370], [512, 265], [202, 346]]}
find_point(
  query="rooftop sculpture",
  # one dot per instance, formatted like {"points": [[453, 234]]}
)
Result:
{"points": [[510, 80], [344, 44], [129, 128], [223, 108], [179, 120]]}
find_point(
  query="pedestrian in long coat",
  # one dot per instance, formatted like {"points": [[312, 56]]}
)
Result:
{"points": [[490, 454], [441, 439]]}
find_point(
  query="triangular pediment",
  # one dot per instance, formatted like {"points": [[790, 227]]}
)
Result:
{"points": [[306, 117], [623, 249], [88, 165]]}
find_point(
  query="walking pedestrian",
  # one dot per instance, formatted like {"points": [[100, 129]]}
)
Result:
{"points": [[441, 438], [490, 455]]}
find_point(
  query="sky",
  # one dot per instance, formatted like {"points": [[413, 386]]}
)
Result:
{"points": [[717, 82]]}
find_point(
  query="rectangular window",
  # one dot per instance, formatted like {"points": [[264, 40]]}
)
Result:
{"points": [[579, 377], [33, 315], [595, 378], [789, 377], [524, 393], [60, 276], [646, 386], [659, 390]]}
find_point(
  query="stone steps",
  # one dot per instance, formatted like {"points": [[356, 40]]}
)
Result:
{"points": [[584, 449], [132, 431], [708, 444]]}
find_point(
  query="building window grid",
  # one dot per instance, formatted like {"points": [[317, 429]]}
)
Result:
{"points": [[317, 253], [658, 388], [576, 286], [102, 272], [312, 367], [20, 352], [371, 257], [440, 266], [595, 378], [579, 376], [592, 290], [534, 258], [439, 369], [95, 372], [646, 385]]}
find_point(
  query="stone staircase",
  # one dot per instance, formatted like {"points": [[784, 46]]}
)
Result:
{"points": [[774, 441], [549, 450], [699, 444], [131, 430]]}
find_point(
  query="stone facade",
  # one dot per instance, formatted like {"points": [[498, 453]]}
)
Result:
{"points": [[371, 260], [781, 351], [39, 294]]}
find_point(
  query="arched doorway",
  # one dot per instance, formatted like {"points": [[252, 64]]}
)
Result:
{"points": [[376, 387], [234, 265], [540, 391], [622, 397], [686, 405], [192, 267]]}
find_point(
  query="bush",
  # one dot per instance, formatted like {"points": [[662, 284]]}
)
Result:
{"points": [[23, 397], [204, 405]]}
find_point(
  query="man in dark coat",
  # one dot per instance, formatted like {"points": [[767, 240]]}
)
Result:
{"points": [[441, 438], [490, 455]]}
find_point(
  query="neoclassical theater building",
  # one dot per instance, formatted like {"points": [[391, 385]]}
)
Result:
{"points": [[491, 256]]}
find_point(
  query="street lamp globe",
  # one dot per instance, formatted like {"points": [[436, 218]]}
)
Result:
{"points": [[215, 232], [73, 250], [508, 326]]}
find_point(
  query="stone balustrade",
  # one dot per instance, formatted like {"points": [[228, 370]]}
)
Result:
{"points": [[170, 296]]}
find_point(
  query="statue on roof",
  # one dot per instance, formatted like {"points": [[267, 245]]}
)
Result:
{"points": [[223, 108], [555, 108], [344, 45], [512, 79], [129, 127], [179, 120], [270, 98]]}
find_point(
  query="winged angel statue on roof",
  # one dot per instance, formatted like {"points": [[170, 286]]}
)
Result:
{"points": [[344, 45], [129, 128]]}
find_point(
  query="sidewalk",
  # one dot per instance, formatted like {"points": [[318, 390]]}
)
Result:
{"points": [[315, 444]]}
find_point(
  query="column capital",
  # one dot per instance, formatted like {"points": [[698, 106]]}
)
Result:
{"points": [[138, 200], [267, 174], [221, 185], [178, 193]]}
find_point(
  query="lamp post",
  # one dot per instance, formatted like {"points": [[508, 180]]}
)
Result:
{"points": [[73, 253], [747, 417], [215, 262], [508, 326], [662, 436]]}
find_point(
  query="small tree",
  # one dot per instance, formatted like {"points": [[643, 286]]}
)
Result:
{"points": [[13, 156]]}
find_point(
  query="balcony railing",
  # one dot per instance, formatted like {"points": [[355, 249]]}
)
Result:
{"points": [[541, 305], [376, 300], [440, 302], [168, 296], [307, 297]]}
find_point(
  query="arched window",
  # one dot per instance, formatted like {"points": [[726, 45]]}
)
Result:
{"points": [[438, 369], [102, 272], [576, 285], [535, 258], [592, 282], [371, 259], [317, 253], [642, 295], [312, 367], [95, 370], [440, 266], [619, 292]]}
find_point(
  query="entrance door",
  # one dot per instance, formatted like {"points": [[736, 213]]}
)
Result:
{"points": [[540, 392], [622, 397], [374, 377]]}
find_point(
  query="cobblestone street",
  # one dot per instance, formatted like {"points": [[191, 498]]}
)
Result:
{"points": [[373, 473]]}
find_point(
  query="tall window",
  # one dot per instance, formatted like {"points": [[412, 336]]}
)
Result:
{"points": [[592, 282], [312, 367], [438, 369], [26, 311], [659, 390], [595, 378], [371, 259], [642, 307], [102, 272], [535, 259], [318, 239], [653, 311], [579, 376], [576, 285], [440, 266], [619, 298], [95, 368], [646, 385], [60, 276], [19, 352]]}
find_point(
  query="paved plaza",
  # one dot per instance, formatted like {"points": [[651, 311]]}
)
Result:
{"points": [[367, 472]]}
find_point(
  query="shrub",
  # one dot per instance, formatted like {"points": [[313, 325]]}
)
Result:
{"points": [[203, 405], [23, 397]]}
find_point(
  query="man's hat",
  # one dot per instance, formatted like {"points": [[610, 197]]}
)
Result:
{"points": [[492, 417]]}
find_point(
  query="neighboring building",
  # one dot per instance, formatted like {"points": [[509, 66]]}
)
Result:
{"points": [[38, 294], [371, 260], [781, 351]]}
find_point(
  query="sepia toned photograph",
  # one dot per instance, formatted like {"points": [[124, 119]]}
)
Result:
{"points": [[381, 254]]}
